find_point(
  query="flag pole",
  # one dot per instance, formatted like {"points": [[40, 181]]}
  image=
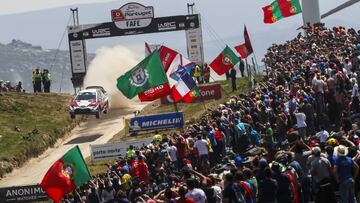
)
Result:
{"points": [[176, 109], [257, 65], [252, 59]]}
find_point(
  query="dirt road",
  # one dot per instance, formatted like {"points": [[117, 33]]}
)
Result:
{"points": [[93, 131]]}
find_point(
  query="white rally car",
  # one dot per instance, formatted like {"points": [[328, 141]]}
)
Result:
{"points": [[93, 101]]}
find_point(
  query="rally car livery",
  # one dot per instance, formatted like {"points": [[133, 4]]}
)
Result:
{"points": [[93, 101]]}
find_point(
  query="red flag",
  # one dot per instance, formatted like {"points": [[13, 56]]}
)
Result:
{"points": [[167, 56], [242, 50], [247, 40], [155, 92], [245, 49]]}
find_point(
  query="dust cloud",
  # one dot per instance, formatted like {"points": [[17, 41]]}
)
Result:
{"points": [[108, 64]]}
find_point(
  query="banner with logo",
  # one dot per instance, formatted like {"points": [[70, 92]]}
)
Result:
{"points": [[115, 150], [155, 122], [207, 92], [124, 28], [30, 193]]}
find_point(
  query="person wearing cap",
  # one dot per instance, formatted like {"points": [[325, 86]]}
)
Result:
{"points": [[345, 167], [321, 171]]}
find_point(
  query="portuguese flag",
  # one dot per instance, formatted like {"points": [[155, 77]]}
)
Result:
{"points": [[272, 13], [224, 62], [289, 7], [65, 175], [280, 9]]}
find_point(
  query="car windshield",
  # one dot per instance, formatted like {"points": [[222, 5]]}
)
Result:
{"points": [[86, 96]]}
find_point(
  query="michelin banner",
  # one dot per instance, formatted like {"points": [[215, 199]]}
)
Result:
{"points": [[155, 122]]}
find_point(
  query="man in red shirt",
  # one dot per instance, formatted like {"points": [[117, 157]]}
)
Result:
{"points": [[182, 151]]}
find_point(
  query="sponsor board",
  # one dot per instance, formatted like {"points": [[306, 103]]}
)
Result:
{"points": [[30, 193], [115, 150], [207, 92], [154, 122], [78, 59], [133, 27], [194, 45]]}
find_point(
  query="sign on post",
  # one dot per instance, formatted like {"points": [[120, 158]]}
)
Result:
{"points": [[113, 151], [195, 45], [155, 122], [30, 193]]}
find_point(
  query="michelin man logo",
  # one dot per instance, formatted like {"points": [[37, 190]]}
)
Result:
{"points": [[139, 76]]}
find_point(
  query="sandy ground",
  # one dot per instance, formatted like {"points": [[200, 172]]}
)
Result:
{"points": [[93, 131]]}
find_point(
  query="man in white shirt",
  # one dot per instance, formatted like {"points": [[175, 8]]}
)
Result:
{"points": [[347, 65], [301, 123], [171, 149], [355, 89], [198, 195], [323, 135], [354, 94], [202, 146]]}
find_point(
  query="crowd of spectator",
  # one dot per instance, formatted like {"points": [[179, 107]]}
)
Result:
{"points": [[293, 139], [6, 86]]}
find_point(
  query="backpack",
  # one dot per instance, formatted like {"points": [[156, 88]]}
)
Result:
{"points": [[238, 193]]}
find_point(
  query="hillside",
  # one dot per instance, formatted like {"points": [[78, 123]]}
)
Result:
{"points": [[29, 124], [18, 59]]}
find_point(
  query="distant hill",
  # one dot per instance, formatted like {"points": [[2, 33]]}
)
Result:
{"points": [[18, 59]]}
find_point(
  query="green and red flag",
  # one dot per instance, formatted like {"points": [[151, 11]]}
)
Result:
{"points": [[224, 62], [147, 74], [280, 9], [272, 13], [65, 175], [289, 7]]}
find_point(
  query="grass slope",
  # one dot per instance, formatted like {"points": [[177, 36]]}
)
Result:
{"points": [[29, 124]]}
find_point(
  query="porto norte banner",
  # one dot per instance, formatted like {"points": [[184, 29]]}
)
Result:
{"points": [[155, 122]]}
